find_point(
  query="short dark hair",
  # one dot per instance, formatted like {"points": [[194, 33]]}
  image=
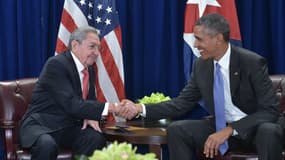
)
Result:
{"points": [[80, 34], [214, 24]]}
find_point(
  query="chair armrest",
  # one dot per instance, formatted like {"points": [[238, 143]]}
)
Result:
{"points": [[7, 128]]}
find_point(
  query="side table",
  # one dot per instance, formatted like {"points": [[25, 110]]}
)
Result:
{"points": [[138, 132]]}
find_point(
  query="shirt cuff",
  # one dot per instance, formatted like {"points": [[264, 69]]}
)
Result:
{"points": [[235, 133], [106, 108], [143, 114]]}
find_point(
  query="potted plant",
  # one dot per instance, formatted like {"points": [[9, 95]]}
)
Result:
{"points": [[154, 98], [118, 151]]}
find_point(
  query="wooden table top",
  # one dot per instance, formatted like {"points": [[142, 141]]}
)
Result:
{"points": [[137, 132]]}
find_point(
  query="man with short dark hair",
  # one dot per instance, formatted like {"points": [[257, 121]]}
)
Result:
{"points": [[235, 86]]}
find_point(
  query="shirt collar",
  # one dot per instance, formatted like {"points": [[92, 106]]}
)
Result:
{"points": [[225, 60], [78, 64]]}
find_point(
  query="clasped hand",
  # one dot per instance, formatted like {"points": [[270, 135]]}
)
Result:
{"points": [[126, 109]]}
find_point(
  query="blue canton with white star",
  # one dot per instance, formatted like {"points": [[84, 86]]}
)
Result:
{"points": [[100, 14]]}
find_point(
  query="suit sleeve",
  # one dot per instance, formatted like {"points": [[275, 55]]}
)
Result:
{"points": [[185, 102]]}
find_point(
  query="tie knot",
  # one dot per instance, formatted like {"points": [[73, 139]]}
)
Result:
{"points": [[218, 66], [85, 71], [218, 71]]}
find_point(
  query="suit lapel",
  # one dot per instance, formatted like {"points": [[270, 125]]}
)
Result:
{"points": [[234, 71], [74, 73], [211, 82], [209, 79]]}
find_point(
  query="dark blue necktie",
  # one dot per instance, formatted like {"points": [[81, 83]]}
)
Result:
{"points": [[219, 100]]}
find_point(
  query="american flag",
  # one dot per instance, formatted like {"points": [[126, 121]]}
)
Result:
{"points": [[196, 9], [102, 15]]}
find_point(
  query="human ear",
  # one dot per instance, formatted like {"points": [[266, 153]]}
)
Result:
{"points": [[74, 44], [220, 37]]}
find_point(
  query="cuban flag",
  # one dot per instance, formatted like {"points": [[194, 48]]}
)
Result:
{"points": [[196, 9]]}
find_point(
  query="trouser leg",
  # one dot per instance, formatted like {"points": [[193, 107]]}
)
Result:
{"points": [[184, 137], [269, 141], [89, 141], [45, 148], [83, 141]]}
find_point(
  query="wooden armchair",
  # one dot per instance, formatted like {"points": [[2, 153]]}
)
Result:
{"points": [[15, 96]]}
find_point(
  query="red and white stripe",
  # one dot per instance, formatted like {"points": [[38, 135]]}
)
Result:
{"points": [[109, 65]]}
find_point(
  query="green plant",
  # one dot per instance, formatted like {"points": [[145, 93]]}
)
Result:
{"points": [[118, 151], [154, 98]]}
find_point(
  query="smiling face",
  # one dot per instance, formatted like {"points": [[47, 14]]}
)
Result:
{"points": [[88, 50], [209, 45]]}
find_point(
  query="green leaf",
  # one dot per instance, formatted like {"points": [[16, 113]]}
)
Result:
{"points": [[120, 151], [154, 98]]}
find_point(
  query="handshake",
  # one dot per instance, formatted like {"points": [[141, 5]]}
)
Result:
{"points": [[126, 109]]}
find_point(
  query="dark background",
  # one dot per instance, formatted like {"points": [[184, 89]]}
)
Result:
{"points": [[152, 39]]}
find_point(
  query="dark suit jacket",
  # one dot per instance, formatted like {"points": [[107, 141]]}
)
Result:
{"points": [[57, 100], [251, 91]]}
